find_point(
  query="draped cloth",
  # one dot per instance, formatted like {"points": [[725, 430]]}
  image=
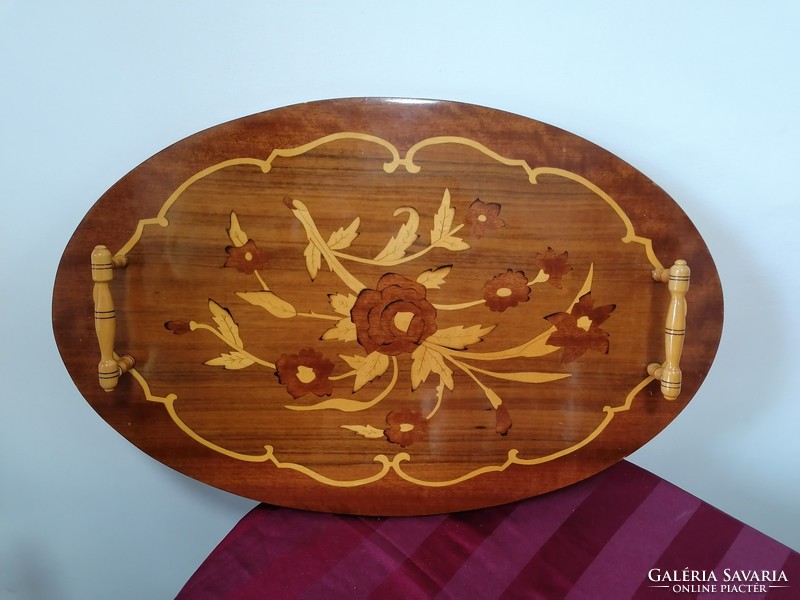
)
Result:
{"points": [[623, 533]]}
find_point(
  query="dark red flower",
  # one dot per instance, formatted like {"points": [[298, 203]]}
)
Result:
{"points": [[246, 258], [405, 427], [178, 327], [585, 308], [506, 290], [393, 318], [502, 420], [555, 265], [307, 372], [579, 331], [484, 216]]}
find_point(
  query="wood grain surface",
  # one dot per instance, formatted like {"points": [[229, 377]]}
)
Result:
{"points": [[382, 306]]}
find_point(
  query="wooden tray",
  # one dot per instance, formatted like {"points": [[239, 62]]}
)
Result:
{"points": [[386, 306]]}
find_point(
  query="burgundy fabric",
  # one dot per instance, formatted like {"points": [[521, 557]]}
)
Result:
{"points": [[596, 540]]}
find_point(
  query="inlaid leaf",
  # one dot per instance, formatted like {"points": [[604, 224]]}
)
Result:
{"points": [[443, 219], [354, 362], [459, 337], [238, 237], [271, 302], [433, 279], [374, 365], [453, 243], [425, 361], [313, 260], [231, 361], [397, 246], [225, 323], [523, 376], [344, 330], [300, 211], [341, 404], [342, 304], [342, 238], [367, 431]]}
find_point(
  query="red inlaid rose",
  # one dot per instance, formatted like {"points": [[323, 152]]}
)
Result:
{"points": [[393, 318]]}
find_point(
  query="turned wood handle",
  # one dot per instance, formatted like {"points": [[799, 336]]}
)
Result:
{"points": [[677, 278], [110, 367]]}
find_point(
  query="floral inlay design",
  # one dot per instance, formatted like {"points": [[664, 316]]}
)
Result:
{"points": [[246, 258], [506, 290], [471, 359], [579, 331], [484, 217], [307, 372], [396, 319], [178, 327], [405, 427], [555, 265]]}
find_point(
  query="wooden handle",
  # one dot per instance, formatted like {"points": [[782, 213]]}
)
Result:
{"points": [[677, 278], [110, 367]]}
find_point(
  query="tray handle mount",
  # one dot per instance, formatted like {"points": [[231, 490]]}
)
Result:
{"points": [[677, 279], [110, 366]]}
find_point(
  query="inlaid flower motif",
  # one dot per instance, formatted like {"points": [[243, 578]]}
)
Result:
{"points": [[246, 258], [555, 265], [506, 290], [178, 327], [484, 216], [585, 309], [393, 318], [502, 420], [405, 427], [579, 331], [307, 372]]}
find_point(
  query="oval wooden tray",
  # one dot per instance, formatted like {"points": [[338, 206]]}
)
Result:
{"points": [[386, 306]]}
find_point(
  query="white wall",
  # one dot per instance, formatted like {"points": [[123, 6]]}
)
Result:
{"points": [[703, 97]]}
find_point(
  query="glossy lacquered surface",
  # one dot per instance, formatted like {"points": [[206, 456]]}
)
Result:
{"points": [[387, 306]]}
